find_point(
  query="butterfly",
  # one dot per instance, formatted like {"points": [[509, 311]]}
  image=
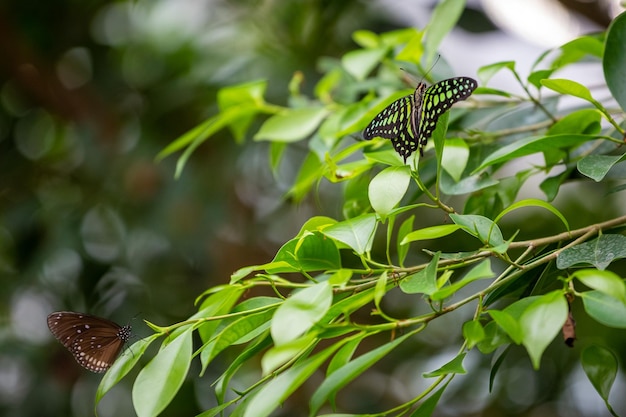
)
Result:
{"points": [[95, 342], [409, 121]]}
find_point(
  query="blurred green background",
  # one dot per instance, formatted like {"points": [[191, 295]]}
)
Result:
{"points": [[90, 92]]}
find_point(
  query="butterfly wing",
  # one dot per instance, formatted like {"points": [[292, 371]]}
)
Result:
{"points": [[394, 123], [436, 100], [95, 342]]}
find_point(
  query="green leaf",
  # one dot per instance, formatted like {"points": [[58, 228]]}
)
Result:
{"points": [[597, 166], [300, 312], [531, 145], [428, 406], [277, 390], [291, 125], [403, 231], [455, 156], [342, 376], [344, 354], [424, 281], [221, 385], [614, 59], [480, 271], [237, 330], [357, 233], [599, 252], [123, 365], [494, 338], [509, 324], [455, 366], [365, 38], [606, 282], [473, 333], [605, 309], [381, 289], [279, 355], [361, 62], [433, 232], [600, 365], [486, 72], [157, 383], [413, 50], [310, 252], [569, 87], [481, 227], [533, 202], [387, 188], [541, 322], [585, 121], [442, 21], [241, 95]]}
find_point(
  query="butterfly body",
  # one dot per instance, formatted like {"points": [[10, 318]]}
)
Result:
{"points": [[410, 121], [95, 342]]}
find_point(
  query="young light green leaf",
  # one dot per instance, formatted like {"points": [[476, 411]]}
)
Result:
{"points": [[444, 18], [381, 289], [480, 271], [433, 232], [428, 406], [387, 188], [310, 252], [403, 231], [508, 324], [291, 125], [473, 333], [531, 145], [569, 87], [533, 202], [277, 390], [541, 322], [344, 355], [455, 157], [605, 309], [300, 312], [455, 366], [157, 383], [357, 233], [486, 72], [606, 282], [281, 354], [123, 365], [360, 62], [424, 281], [481, 227], [342, 376]]}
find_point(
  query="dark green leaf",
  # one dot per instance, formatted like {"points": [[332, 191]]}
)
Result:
{"points": [[614, 59], [599, 252], [600, 365]]}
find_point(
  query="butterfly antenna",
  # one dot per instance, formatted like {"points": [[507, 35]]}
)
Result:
{"points": [[431, 68]]}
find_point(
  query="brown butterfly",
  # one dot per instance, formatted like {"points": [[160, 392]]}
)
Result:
{"points": [[95, 342]]}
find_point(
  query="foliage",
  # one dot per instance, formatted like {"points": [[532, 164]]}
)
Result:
{"points": [[521, 290]]}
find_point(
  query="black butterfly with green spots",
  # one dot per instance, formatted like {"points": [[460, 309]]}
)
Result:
{"points": [[410, 121]]}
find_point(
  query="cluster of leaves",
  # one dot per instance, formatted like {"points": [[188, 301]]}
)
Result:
{"points": [[526, 302]]}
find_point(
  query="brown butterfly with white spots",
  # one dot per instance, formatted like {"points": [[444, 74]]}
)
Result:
{"points": [[95, 342]]}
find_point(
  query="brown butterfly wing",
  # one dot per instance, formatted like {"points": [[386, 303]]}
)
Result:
{"points": [[95, 342]]}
